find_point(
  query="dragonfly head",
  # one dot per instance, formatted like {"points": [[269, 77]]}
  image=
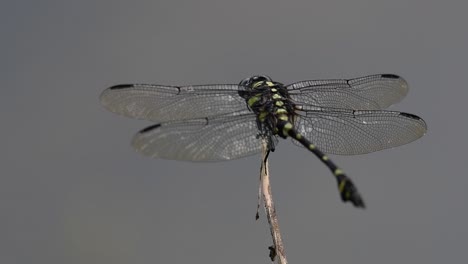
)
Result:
{"points": [[255, 81]]}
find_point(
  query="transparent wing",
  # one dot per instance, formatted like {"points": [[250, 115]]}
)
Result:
{"points": [[348, 132], [161, 103], [372, 92], [223, 137]]}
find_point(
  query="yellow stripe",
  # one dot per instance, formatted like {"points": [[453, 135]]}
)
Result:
{"points": [[298, 136], [276, 96], [325, 158], [279, 103], [288, 126], [283, 117], [255, 85], [338, 172], [269, 84], [274, 90], [281, 111], [342, 185], [311, 146], [252, 100]]}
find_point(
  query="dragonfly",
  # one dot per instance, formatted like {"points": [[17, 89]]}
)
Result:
{"points": [[216, 122]]}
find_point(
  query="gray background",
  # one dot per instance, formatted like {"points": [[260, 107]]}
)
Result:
{"points": [[72, 190]]}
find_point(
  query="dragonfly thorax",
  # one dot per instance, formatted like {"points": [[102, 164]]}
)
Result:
{"points": [[270, 102]]}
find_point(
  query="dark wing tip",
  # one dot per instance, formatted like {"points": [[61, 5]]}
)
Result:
{"points": [[147, 129], [120, 86], [410, 116], [418, 120], [390, 76]]}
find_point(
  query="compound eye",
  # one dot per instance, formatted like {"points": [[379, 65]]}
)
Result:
{"points": [[248, 82], [245, 82], [264, 78]]}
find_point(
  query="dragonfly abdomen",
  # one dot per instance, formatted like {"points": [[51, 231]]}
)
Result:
{"points": [[346, 187]]}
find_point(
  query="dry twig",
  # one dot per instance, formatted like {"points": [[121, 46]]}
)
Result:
{"points": [[277, 250]]}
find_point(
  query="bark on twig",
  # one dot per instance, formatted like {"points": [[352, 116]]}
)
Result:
{"points": [[277, 250]]}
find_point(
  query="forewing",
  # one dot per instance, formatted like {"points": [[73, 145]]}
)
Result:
{"points": [[161, 103], [223, 137], [348, 132], [372, 92]]}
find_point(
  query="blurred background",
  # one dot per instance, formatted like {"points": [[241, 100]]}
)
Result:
{"points": [[72, 190]]}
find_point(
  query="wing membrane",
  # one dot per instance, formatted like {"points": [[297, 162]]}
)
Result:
{"points": [[373, 92], [161, 103], [348, 132], [223, 137]]}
